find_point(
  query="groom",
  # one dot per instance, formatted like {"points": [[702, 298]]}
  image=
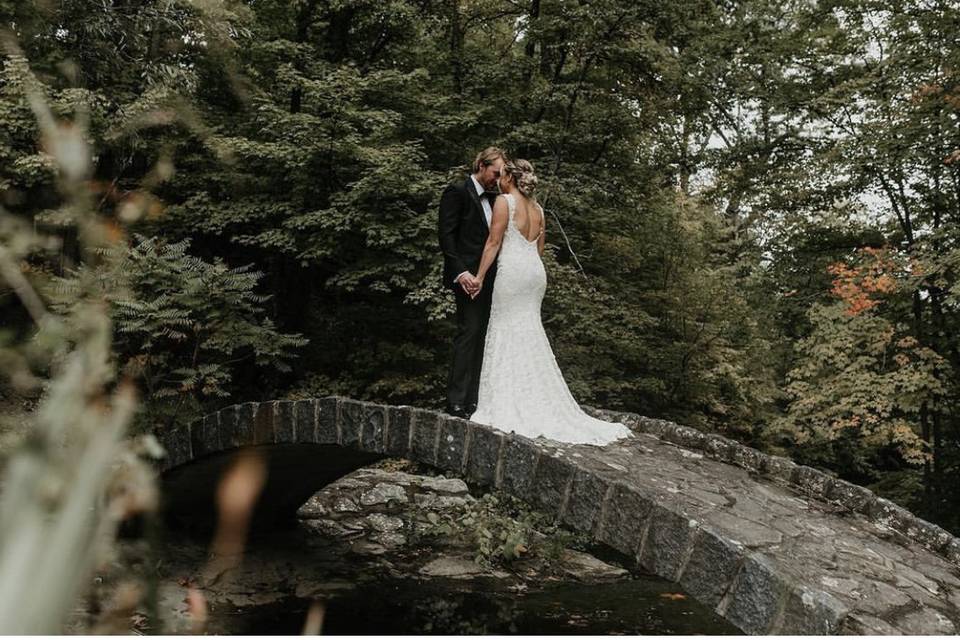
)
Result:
{"points": [[465, 211]]}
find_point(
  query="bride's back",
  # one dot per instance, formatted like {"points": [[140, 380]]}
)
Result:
{"points": [[527, 217]]}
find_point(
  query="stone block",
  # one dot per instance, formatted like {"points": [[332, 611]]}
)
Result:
{"points": [[374, 427], [601, 414], [552, 476], [350, 421], [653, 426], [687, 437], [630, 420], [245, 425], [328, 412], [398, 431], [585, 501], [719, 448], [452, 445], [177, 442], [952, 551], [264, 423], [931, 536], [711, 568], [197, 444], [484, 454], [285, 421], [229, 431], [625, 515], [207, 440], [616, 416], [812, 481], [756, 596], [780, 468], [748, 458], [518, 467], [426, 428], [888, 514], [669, 535], [851, 496], [811, 612], [305, 420]]}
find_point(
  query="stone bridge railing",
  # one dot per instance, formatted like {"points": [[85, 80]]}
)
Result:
{"points": [[610, 493]]}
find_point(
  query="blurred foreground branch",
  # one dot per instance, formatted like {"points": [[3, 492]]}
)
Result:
{"points": [[74, 477]]}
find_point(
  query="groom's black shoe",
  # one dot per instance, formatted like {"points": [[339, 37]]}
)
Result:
{"points": [[471, 409], [457, 411]]}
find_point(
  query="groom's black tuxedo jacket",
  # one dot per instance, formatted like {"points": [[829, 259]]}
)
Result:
{"points": [[463, 232]]}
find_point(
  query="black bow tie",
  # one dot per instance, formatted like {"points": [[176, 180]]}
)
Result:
{"points": [[490, 194]]}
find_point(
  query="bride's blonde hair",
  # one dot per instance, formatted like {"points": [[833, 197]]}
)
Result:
{"points": [[523, 176]]}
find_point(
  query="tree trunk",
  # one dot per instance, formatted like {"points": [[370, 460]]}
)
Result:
{"points": [[304, 17], [456, 46], [530, 48]]}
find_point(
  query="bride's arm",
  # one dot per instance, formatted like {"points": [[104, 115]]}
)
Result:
{"points": [[543, 231], [498, 225]]}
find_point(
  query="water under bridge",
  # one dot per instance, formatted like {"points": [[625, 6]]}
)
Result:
{"points": [[772, 546]]}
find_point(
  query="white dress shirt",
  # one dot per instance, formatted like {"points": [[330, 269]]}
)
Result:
{"points": [[487, 210]]}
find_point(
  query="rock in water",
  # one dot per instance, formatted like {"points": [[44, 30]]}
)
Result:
{"points": [[367, 548], [456, 568], [586, 568]]}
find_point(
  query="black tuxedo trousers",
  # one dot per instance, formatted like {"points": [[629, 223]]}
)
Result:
{"points": [[463, 233], [463, 382]]}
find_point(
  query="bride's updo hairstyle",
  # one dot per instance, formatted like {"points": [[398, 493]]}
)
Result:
{"points": [[523, 176]]}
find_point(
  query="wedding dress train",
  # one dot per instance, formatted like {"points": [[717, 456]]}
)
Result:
{"points": [[521, 386]]}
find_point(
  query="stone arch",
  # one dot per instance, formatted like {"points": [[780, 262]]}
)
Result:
{"points": [[317, 440], [329, 437]]}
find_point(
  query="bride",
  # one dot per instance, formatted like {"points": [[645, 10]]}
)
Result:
{"points": [[521, 387]]}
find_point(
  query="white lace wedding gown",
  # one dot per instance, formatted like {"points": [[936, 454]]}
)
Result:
{"points": [[521, 387]]}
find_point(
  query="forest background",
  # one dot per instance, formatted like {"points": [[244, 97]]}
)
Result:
{"points": [[753, 206]]}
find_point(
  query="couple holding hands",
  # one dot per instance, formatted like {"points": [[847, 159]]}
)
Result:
{"points": [[492, 233]]}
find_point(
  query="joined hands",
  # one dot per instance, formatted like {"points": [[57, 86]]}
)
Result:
{"points": [[471, 284]]}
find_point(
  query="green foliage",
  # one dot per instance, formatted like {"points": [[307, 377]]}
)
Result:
{"points": [[313, 141], [185, 327], [858, 388], [835, 129], [502, 529]]}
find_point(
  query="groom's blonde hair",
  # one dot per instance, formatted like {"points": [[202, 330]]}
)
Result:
{"points": [[487, 157]]}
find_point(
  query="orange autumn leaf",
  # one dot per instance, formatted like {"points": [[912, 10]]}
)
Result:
{"points": [[854, 285], [885, 284]]}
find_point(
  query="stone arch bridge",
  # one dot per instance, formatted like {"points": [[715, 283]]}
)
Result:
{"points": [[772, 546]]}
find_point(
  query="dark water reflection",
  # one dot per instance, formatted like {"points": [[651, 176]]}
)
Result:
{"points": [[410, 606]]}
